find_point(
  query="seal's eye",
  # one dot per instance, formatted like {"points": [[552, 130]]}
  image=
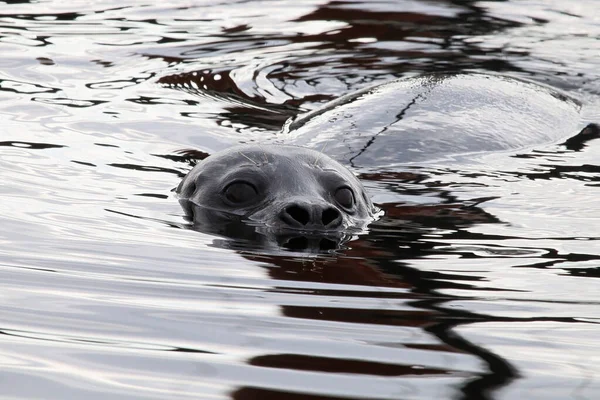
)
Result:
{"points": [[344, 197], [240, 192]]}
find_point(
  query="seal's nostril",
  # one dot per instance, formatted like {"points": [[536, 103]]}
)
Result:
{"points": [[330, 215], [298, 214], [311, 216]]}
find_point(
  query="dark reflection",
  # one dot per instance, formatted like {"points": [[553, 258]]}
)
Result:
{"points": [[188, 156], [73, 339], [63, 101], [380, 259], [410, 219], [390, 239], [560, 171], [147, 168], [555, 259], [247, 109], [106, 145], [45, 61], [88, 164], [119, 84], [65, 16], [339, 365], [577, 142], [219, 84], [154, 195], [500, 374], [374, 261], [9, 85], [254, 393], [129, 215], [16, 1], [54, 16], [31, 145], [584, 272], [449, 33]]}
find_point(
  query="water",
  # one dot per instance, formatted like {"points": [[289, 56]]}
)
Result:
{"points": [[479, 282]]}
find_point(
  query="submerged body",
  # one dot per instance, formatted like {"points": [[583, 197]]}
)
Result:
{"points": [[436, 117]]}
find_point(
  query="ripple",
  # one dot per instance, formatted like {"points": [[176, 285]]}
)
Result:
{"points": [[24, 87]]}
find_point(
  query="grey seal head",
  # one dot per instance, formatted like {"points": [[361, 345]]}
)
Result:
{"points": [[279, 188]]}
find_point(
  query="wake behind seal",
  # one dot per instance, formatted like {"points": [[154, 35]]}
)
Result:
{"points": [[438, 118]]}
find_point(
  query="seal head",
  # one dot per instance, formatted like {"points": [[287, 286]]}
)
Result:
{"points": [[278, 188]]}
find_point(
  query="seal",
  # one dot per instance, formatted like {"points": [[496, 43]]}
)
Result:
{"points": [[278, 187], [286, 192]]}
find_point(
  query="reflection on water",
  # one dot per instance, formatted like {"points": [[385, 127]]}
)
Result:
{"points": [[477, 283]]}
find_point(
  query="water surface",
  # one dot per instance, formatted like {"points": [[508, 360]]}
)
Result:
{"points": [[479, 282]]}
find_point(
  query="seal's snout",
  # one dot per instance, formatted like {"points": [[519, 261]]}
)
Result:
{"points": [[311, 216]]}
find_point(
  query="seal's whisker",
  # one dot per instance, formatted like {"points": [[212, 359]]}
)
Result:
{"points": [[320, 154], [249, 159], [264, 153]]}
